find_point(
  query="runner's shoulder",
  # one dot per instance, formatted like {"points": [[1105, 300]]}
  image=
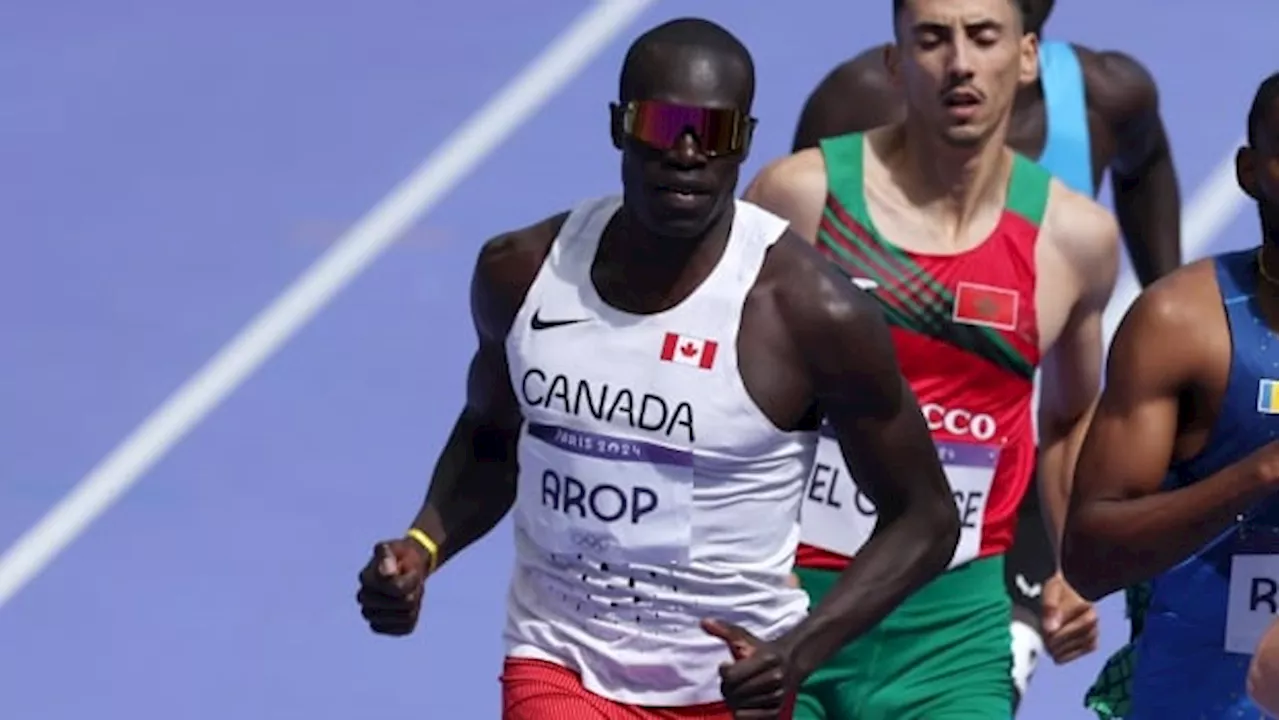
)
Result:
{"points": [[1173, 336], [1182, 305], [513, 257], [1182, 300], [865, 72], [793, 186], [1084, 231], [807, 291], [800, 173], [1117, 85], [505, 269]]}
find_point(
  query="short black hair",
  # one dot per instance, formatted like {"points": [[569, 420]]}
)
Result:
{"points": [[1263, 100], [1024, 9], [682, 34]]}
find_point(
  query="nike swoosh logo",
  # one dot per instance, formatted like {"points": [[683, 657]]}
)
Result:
{"points": [[537, 323], [865, 283]]}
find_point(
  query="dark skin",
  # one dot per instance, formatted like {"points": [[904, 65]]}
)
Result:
{"points": [[809, 343], [1125, 130], [1161, 400]]}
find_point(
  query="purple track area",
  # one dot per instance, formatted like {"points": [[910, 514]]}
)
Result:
{"points": [[172, 166]]}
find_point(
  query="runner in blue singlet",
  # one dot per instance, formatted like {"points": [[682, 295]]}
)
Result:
{"points": [[1177, 479]]}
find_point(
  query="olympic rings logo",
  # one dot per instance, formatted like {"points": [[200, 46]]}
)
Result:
{"points": [[591, 542]]}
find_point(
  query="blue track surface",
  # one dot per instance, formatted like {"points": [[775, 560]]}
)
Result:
{"points": [[169, 167]]}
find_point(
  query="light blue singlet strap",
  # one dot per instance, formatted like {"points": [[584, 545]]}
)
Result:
{"points": [[1066, 149]]}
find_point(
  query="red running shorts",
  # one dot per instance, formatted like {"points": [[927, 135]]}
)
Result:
{"points": [[537, 690]]}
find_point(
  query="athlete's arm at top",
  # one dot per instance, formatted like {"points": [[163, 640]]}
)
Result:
{"points": [[1143, 179], [1086, 238], [473, 485], [853, 371], [1122, 529], [856, 96]]}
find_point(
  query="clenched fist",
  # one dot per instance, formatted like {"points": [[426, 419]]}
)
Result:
{"points": [[761, 680], [391, 586], [1069, 622]]}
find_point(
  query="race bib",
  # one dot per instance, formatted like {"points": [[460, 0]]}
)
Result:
{"points": [[1251, 601], [837, 517], [608, 498]]}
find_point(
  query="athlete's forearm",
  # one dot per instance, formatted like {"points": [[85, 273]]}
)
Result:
{"points": [[1059, 450], [472, 487], [908, 552], [1055, 491], [1147, 207], [1114, 543]]}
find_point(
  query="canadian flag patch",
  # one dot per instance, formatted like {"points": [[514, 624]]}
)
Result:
{"points": [[688, 351]]}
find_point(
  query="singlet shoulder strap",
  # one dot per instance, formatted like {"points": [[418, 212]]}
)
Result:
{"points": [[573, 249], [1067, 153], [1235, 272], [1028, 194], [844, 157]]}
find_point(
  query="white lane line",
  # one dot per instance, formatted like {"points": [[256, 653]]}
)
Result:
{"points": [[461, 153]]}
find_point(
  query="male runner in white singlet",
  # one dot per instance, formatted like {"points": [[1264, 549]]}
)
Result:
{"points": [[646, 393]]}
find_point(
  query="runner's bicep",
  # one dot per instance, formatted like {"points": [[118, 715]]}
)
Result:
{"points": [[1071, 371], [875, 416], [490, 397], [1130, 441], [1071, 374], [1127, 449], [892, 455]]}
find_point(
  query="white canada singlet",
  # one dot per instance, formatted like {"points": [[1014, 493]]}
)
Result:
{"points": [[652, 492]]}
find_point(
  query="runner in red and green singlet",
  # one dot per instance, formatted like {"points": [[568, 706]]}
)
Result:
{"points": [[988, 270], [967, 340], [965, 327], [1093, 113]]}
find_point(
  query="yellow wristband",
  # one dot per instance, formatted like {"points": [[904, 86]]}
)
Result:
{"points": [[433, 550]]}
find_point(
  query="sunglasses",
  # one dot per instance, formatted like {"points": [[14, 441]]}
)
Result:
{"points": [[660, 125]]}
